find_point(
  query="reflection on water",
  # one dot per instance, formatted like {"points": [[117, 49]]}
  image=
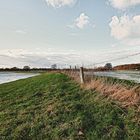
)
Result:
{"points": [[11, 76], [127, 75]]}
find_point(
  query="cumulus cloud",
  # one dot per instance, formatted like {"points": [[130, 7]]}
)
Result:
{"points": [[82, 21], [59, 3], [123, 4], [126, 28]]}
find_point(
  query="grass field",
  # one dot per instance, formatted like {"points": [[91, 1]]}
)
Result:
{"points": [[53, 107]]}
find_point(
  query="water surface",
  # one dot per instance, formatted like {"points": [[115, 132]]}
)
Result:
{"points": [[126, 75], [6, 77]]}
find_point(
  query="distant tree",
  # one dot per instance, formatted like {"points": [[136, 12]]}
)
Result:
{"points": [[1, 69], [54, 66], [108, 66], [14, 68], [26, 68]]}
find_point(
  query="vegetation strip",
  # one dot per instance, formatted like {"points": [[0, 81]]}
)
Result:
{"points": [[52, 106], [126, 92]]}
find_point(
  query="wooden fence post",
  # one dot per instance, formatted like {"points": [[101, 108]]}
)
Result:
{"points": [[82, 75]]}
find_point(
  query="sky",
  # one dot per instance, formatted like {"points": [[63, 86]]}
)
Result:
{"points": [[40, 33]]}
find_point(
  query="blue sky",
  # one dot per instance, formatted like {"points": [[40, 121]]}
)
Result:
{"points": [[42, 32]]}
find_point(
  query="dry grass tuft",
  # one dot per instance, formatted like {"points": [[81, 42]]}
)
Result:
{"points": [[126, 95]]}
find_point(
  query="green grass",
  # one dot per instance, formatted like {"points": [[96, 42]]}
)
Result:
{"points": [[53, 107]]}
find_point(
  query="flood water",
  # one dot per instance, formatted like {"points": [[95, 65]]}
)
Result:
{"points": [[6, 77], [126, 75]]}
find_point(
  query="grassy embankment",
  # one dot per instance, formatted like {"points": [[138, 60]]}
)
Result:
{"points": [[53, 107]]}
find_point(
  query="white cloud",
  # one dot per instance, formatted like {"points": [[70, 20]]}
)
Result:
{"points": [[82, 21], [126, 28], [123, 4], [38, 57], [132, 42], [59, 3], [63, 58]]}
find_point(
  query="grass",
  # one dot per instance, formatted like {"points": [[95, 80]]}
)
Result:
{"points": [[126, 92], [54, 107]]}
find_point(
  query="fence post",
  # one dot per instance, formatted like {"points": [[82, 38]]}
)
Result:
{"points": [[82, 75]]}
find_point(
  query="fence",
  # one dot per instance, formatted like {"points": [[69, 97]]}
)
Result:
{"points": [[120, 90]]}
